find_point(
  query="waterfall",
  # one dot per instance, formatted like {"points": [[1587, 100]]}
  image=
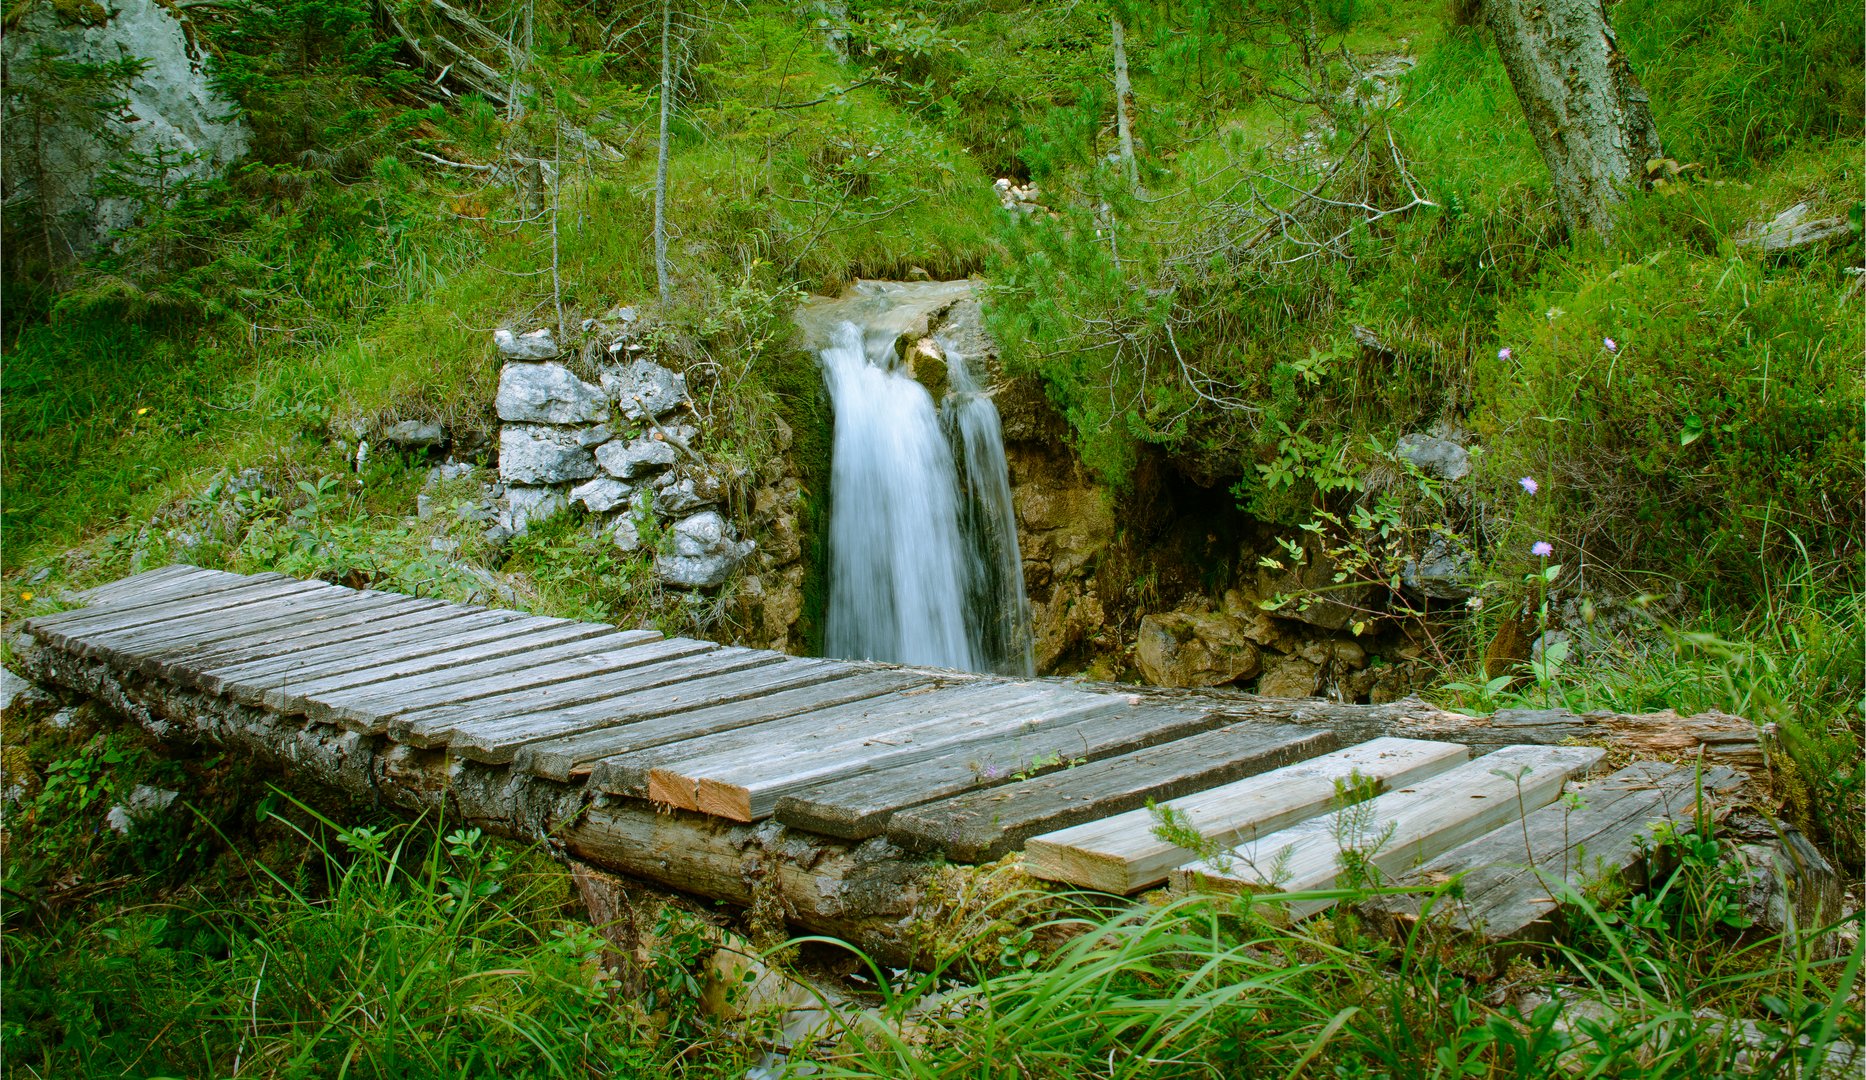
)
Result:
{"points": [[923, 564]]}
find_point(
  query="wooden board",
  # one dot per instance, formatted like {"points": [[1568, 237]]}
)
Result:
{"points": [[149, 582], [743, 782], [204, 620], [321, 642], [859, 806], [370, 614], [64, 629], [281, 620], [508, 715], [982, 825], [569, 757], [1121, 854], [1511, 877], [1396, 831], [498, 741], [349, 660], [376, 702]]}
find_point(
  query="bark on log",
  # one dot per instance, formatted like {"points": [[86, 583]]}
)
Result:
{"points": [[1590, 117]]}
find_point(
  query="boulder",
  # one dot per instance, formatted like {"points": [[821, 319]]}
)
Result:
{"points": [[628, 459], [1194, 649], [602, 494], [536, 345], [548, 394], [415, 434], [705, 552], [925, 362], [15, 692], [684, 492], [1269, 632], [527, 506], [1290, 677], [538, 454], [1440, 459], [1443, 570], [1314, 596], [645, 389]]}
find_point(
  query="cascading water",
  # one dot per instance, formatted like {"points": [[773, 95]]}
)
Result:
{"points": [[923, 568]]}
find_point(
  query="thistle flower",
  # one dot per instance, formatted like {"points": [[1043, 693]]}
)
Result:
{"points": [[1542, 549], [1612, 346], [1529, 484], [1503, 353]]}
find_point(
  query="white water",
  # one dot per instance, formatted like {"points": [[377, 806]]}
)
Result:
{"points": [[923, 570]]}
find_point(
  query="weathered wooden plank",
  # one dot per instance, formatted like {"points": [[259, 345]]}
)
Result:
{"points": [[858, 807], [478, 642], [210, 622], [982, 825], [1511, 877], [664, 665], [360, 657], [1396, 831], [1121, 854], [498, 741], [369, 619], [567, 758], [374, 703], [163, 581], [722, 774], [283, 621], [63, 627]]}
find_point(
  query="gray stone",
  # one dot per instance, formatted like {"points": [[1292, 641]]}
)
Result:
{"points": [[537, 454], [1181, 648], [536, 345], [527, 506], [705, 552], [626, 534], [424, 506], [144, 802], [645, 389], [1442, 571], [1440, 459], [548, 394], [457, 470], [627, 460], [686, 492], [602, 494], [415, 434], [1791, 229], [13, 691]]}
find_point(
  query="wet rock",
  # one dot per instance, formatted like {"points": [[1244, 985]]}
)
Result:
{"points": [[527, 506], [539, 454], [630, 459], [536, 345], [548, 394], [926, 364], [705, 552], [1194, 649], [1440, 459], [645, 389], [602, 494], [415, 434], [1290, 677], [1064, 524]]}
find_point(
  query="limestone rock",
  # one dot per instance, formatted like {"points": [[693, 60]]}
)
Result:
{"points": [[1315, 597], [645, 389], [602, 494], [1440, 459], [1788, 886], [536, 345], [1442, 571], [626, 533], [926, 364], [1064, 523], [14, 692], [629, 459], [538, 454], [548, 394], [1277, 635], [706, 550], [1194, 649], [1290, 677], [415, 435], [527, 506], [687, 492], [1065, 622]]}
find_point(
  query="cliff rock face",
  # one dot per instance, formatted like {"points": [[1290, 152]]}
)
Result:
{"points": [[173, 107]]}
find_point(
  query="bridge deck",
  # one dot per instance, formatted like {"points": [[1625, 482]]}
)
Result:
{"points": [[960, 766]]}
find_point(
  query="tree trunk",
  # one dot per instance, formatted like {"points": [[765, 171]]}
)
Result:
{"points": [[1589, 115], [660, 169], [1123, 100]]}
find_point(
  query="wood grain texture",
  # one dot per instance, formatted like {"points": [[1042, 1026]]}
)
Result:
{"points": [[982, 825], [377, 637], [372, 613], [1121, 854]]}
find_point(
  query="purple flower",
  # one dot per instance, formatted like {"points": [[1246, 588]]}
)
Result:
{"points": [[1529, 484], [1503, 353], [1612, 346], [1543, 549]]}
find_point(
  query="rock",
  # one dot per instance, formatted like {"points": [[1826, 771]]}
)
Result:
{"points": [[527, 506], [548, 394], [415, 434], [626, 533], [144, 802], [1788, 887], [537, 345], [457, 470], [629, 459], [1440, 459], [1442, 571], [686, 493], [15, 692], [769, 608], [1194, 649], [602, 494], [537, 454], [1277, 635], [1791, 229], [925, 362], [1314, 596], [706, 550], [424, 506], [1290, 677], [645, 389], [1064, 523], [1069, 619]]}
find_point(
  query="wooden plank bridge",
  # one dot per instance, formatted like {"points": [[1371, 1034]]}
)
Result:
{"points": [[832, 788]]}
